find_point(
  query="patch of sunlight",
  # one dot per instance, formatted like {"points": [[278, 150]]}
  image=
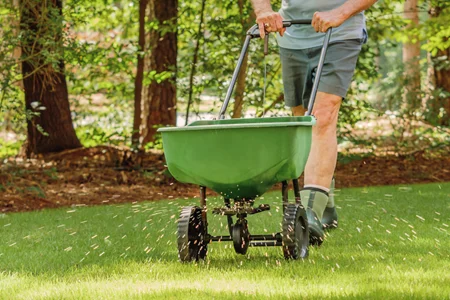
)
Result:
{"points": [[122, 288], [339, 284]]}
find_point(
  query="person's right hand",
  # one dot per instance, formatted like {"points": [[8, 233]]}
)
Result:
{"points": [[270, 22]]}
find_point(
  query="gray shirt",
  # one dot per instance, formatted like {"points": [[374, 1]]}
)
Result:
{"points": [[304, 36]]}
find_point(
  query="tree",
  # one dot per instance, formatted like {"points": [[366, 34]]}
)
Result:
{"points": [[158, 100], [247, 20], [49, 121], [411, 57], [139, 74]]}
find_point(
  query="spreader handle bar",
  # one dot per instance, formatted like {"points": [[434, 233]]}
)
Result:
{"points": [[312, 98], [252, 33]]}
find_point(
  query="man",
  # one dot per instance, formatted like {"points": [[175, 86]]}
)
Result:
{"points": [[300, 47]]}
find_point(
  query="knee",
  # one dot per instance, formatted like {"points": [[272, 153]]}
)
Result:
{"points": [[326, 113]]}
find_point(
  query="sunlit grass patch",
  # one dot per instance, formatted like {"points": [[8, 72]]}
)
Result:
{"points": [[393, 242]]}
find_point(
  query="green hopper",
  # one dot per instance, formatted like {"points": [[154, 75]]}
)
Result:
{"points": [[239, 158]]}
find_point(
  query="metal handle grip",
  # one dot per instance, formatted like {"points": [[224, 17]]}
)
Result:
{"points": [[288, 23], [252, 33]]}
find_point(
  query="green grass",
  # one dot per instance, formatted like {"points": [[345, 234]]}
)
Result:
{"points": [[393, 242]]}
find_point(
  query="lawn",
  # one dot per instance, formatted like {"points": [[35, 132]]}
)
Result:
{"points": [[393, 242]]}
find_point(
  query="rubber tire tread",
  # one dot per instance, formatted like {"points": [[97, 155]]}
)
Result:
{"points": [[241, 237], [190, 231], [295, 223]]}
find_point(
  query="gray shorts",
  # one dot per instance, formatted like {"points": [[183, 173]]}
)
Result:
{"points": [[299, 68]]}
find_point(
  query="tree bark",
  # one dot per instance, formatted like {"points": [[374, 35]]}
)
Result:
{"points": [[411, 57], [138, 81], [440, 76], [240, 89], [240, 84], [159, 97], [51, 130]]}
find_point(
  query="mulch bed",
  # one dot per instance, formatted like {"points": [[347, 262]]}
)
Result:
{"points": [[105, 175]]}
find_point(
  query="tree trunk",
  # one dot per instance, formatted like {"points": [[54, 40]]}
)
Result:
{"points": [[49, 130], [138, 81], [159, 97], [440, 76], [240, 89], [240, 84], [411, 57]]}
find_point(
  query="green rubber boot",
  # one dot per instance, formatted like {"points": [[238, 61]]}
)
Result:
{"points": [[315, 202], [330, 217]]}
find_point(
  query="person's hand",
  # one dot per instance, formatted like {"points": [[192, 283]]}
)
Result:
{"points": [[270, 22], [323, 20]]}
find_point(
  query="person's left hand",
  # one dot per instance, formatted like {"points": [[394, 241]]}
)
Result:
{"points": [[323, 20]]}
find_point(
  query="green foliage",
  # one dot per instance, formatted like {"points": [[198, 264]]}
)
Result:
{"points": [[11, 99], [9, 148], [99, 46], [101, 71], [157, 143], [92, 135], [382, 23], [436, 31]]}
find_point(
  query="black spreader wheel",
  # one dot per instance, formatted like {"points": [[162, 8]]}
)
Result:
{"points": [[241, 236], [192, 245], [295, 239]]}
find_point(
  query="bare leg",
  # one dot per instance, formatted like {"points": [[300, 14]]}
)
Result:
{"points": [[298, 110], [323, 155]]}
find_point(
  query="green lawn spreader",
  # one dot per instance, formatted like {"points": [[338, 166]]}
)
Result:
{"points": [[241, 159]]}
